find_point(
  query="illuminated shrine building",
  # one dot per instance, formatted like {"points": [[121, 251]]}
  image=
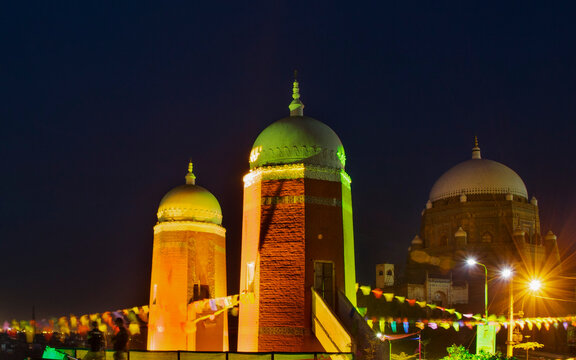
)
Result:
{"points": [[188, 265], [478, 209], [297, 233]]}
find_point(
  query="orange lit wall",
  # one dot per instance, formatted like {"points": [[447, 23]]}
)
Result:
{"points": [[249, 279], [184, 254]]}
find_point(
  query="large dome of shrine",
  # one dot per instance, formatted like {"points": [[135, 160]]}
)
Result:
{"points": [[478, 176]]}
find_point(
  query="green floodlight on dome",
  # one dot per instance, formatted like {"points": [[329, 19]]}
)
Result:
{"points": [[341, 155]]}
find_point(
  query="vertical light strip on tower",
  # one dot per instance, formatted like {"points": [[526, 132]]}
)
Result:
{"points": [[348, 227], [248, 322]]}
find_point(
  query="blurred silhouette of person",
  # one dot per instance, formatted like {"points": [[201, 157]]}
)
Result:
{"points": [[56, 340], [96, 343], [120, 341], [21, 346], [38, 346]]}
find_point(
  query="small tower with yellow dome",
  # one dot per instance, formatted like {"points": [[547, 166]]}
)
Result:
{"points": [[188, 264]]}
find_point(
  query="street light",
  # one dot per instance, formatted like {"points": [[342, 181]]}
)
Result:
{"points": [[507, 273], [470, 262], [535, 285]]}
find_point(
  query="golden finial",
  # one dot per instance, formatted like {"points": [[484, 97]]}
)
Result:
{"points": [[476, 149], [190, 177], [296, 107]]}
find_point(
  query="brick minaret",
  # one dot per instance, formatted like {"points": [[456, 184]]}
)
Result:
{"points": [[297, 232], [188, 264]]}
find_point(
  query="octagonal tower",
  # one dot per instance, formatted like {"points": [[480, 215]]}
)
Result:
{"points": [[297, 232]]}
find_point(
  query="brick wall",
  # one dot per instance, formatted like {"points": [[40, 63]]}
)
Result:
{"points": [[282, 268], [293, 235]]}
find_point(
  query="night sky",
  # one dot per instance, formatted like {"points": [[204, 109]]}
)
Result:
{"points": [[102, 105]]}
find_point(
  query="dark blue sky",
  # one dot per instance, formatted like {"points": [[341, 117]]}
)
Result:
{"points": [[103, 103]]}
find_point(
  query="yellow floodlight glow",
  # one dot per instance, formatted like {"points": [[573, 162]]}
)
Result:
{"points": [[535, 285]]}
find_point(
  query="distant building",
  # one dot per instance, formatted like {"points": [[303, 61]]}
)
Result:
{"points": [[478, 209], [385, 275]]}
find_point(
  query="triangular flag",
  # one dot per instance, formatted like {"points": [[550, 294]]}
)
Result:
{"points": [[389, 296]]}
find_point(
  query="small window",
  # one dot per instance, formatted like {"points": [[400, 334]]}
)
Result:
{"points": [[324, 280], [439, 298], [201, 292], [389, 273], [444, 240], [381, 273]]}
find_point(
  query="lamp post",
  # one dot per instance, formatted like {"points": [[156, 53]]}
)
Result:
{"points": [[471, 262], [534, 285], [507, 274]]}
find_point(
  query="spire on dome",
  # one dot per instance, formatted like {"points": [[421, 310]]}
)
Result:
{"points": [[476, 149], [296, 107], [190, 177]]}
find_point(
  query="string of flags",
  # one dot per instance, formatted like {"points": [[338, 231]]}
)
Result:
{"points": [[135, 318], [208, 309], [458, 320]]}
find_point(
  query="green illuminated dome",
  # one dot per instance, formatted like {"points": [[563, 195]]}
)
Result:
{"points": [[298, 139], [478, 176], [190, 202]]}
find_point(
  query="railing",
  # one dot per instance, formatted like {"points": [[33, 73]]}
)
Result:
{"points": [[194, 355], [327, 328]]}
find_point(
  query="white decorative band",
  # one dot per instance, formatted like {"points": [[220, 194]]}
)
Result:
{"points": [[299, 199], [190, 226], [479, 190], [295, 171], [315, 155], [280, 330], [181, 214]]}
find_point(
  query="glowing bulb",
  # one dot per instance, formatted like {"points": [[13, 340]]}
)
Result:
{"points": [[506, 273], [471, 261], [535, 285]]}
